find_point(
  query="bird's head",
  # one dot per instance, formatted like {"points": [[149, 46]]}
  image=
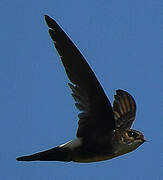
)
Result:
{"points": [[132, 139], [129, 141]]}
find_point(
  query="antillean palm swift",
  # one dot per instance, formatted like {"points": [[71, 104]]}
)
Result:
{"points": [[104, 132]]}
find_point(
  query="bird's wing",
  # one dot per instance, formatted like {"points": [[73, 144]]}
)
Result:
{"points": [[97, 115], [124, 108]]}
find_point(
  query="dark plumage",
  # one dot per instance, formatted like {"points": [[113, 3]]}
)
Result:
{"points": [[103, 131]]}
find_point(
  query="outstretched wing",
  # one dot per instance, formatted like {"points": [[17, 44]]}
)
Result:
{"points": [[97, 115], [124, 108]]}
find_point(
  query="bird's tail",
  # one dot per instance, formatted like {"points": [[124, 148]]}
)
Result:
{"points": [[54, 154]]}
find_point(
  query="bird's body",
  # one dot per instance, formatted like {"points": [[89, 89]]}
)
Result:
{"points": [[104, 131], [84, 150]]}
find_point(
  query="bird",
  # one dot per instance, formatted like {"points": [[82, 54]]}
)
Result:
{"points": [[104, 130]]}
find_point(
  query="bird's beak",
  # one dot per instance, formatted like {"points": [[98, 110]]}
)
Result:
{"points": [[145, 140]]}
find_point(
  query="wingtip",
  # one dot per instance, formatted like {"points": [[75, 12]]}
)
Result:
{"points": [[47, 17], [122, 92], [119, 91], [25, 158], [50, 22], [19, 159]]}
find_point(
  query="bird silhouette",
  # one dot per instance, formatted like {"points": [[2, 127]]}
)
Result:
{"points": [[104, 132]]}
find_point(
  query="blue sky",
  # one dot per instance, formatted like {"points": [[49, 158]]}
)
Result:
{"points": [[123, 43]]}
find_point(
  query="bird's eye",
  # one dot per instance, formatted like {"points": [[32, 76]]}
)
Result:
{"points": [[132, 134]]}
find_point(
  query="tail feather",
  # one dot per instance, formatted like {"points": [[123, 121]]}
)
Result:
{"points": [[54, 154]]}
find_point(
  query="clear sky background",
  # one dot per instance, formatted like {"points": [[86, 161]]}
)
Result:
{"points": [[123, 43]]}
